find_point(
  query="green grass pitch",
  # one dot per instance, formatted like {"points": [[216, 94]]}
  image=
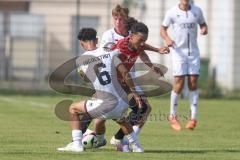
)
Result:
{"points": [[29, 130]]}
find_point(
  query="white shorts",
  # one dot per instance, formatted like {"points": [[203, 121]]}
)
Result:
{"points": [[104, 109], [189, 66]]}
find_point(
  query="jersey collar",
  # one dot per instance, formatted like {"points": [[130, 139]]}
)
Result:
{"points": [[189, 8]]}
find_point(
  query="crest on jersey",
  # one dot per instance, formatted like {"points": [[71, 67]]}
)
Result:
{"points": [[108, 46]]}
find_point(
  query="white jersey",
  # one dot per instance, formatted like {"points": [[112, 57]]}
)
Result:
{"points": [[100, 68], [110, 36], [184, 26]]}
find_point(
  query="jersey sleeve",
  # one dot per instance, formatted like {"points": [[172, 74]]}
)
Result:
{"points": [[106, 38], [167, 19], [201, 19]]}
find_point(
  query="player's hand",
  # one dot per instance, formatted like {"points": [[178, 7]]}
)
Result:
{"points": [[137, 99], [204, 30], [157, 70], [170, 43], [163, 50]]}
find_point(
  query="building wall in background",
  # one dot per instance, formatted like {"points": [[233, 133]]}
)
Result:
{"points": [[59, 24], [236, 59], [221, 30], [221, 46]]}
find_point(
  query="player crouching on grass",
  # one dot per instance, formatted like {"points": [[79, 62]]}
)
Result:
{"points": [[100, 67]]}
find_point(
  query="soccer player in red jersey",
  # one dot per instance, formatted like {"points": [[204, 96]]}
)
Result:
{"points": [[130, 49]]}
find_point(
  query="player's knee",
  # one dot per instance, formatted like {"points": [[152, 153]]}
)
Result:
{"points": [[99, 122], [96, 122], [178, 89], [71, 109], [192, 86]]}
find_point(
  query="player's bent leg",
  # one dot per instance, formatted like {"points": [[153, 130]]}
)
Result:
{"points": [[75, 109], [137, 117], [131, 136], [99, 126], [118, 140], [86, 120], [76, 144], [143, 114], [100, 129], [78, 107], [177, 88], [193, 98]]}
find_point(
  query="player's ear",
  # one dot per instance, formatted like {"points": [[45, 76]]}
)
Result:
{"points": [[82, 44], [96, 40]]}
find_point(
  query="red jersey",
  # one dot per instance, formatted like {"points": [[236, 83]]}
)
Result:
{"points": [[127, 56]]}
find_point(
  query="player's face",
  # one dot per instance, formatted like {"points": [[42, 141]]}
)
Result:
{"points": [[119, 22], [185, 2], [138, 39]]}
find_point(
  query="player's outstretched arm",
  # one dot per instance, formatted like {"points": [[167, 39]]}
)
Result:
{"points": [[128, 80], [161, 50], [144, 57]]}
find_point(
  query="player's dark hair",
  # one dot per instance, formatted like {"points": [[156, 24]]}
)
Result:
{"points": [[139, 27], [87, 34], [130, 22]]}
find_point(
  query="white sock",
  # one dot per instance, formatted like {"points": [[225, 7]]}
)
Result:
{"points": [[100, 137], [136, 129], [193, 97], [77, 137], [174, 104], [132, 138]]}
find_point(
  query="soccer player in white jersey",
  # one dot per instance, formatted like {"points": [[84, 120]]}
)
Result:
{"points": [[184, 19], [119, 18], [121, 29], [100, 67]]}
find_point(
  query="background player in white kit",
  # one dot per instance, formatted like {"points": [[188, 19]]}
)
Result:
{"points": [[122, 24], [100, 67], [184, 19]]}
